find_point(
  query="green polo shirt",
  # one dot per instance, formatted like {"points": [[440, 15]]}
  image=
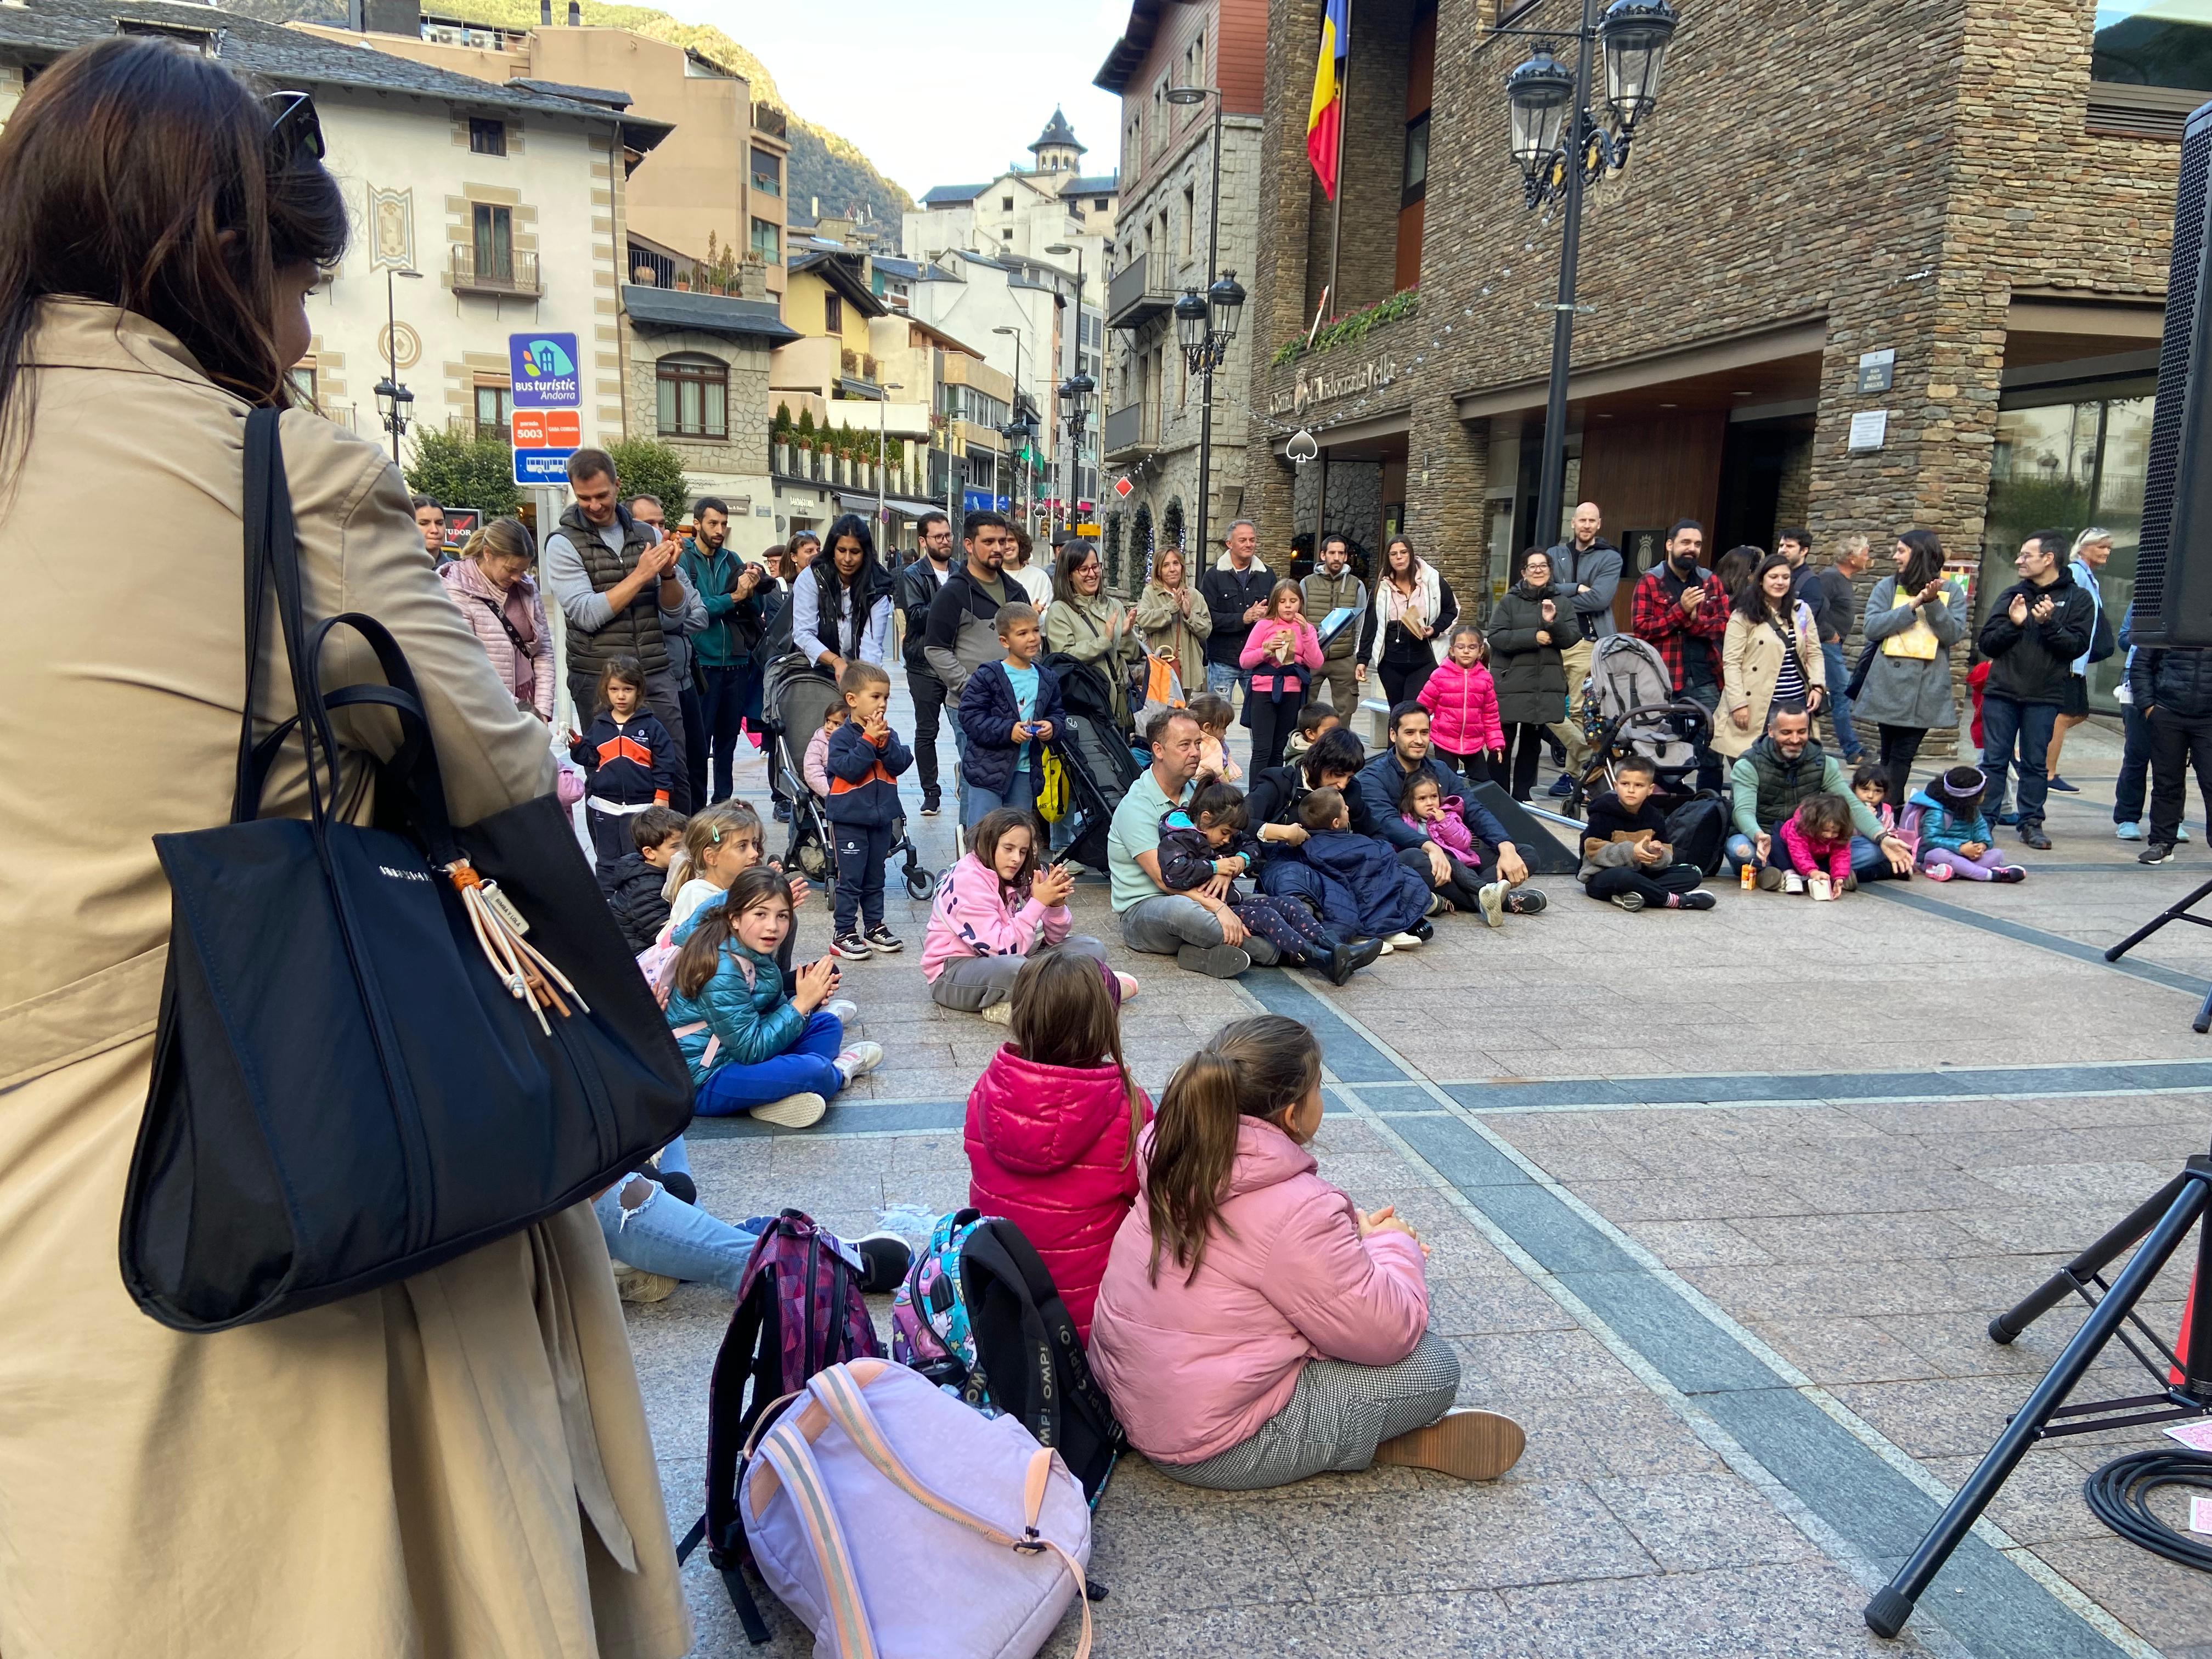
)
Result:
{"points": [[1136, 828]]}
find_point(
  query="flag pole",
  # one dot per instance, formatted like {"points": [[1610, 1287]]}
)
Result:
{"points": [[1343, 107]]}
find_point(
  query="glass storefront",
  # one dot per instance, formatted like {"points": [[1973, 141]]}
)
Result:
{"points": [[2065, 466], [2154, 43]]}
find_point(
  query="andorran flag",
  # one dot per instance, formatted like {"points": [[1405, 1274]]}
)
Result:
{"points": [[1325, 116]]}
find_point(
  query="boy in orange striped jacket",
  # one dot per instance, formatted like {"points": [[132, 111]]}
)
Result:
{"points": [[865, 761]]}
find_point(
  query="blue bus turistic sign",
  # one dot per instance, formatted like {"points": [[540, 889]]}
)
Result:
{"points": [[543, 368]]}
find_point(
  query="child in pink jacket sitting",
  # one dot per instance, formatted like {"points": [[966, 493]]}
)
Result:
{"points": [[1423, 805], [1463, 703], [1253, 1328], [1819, 832], [1281, 656], [1052, 1124], [992, 909]]}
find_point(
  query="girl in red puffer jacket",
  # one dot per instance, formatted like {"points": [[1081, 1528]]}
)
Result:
{"points": [[1052, 1124]]}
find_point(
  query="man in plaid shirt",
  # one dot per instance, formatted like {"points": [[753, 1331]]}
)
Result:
{"points": [[1681, 607]]}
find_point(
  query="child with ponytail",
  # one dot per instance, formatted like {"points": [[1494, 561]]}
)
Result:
{"points": [[1253, 1328]]}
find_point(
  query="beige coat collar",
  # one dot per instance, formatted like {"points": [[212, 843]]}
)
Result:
{"points": [[72, 333]]}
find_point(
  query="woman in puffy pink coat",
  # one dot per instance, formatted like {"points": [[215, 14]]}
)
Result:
{"points": [[1253, 1328], [490, 582], [1052, 1124], [1463, 703]]}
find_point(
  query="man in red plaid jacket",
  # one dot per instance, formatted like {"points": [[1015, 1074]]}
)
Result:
{"points": [[1681, 607]]}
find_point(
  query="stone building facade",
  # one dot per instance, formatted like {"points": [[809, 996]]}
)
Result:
{"points": [[1943, 180]]}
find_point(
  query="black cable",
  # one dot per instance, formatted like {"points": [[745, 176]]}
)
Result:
{"points": [[2120, 1496]]}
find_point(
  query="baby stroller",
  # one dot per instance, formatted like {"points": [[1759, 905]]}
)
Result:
{"points": [[801, 699], [1629, 708], [1096, 753]]}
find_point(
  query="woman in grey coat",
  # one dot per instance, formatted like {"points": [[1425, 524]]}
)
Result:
{"points": [[1913, 618]]}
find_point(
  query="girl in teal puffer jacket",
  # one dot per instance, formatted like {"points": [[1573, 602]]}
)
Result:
{"points": [[750, 1047]]}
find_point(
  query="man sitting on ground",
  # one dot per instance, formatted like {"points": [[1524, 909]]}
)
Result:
{"points": [[1381, 784], [1772, 777], [1197, 928]]}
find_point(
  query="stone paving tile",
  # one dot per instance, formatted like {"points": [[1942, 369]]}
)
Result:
{"points": [[1803, 1611], [1699, 1243], [1697, 1522], [2164, 1603]]}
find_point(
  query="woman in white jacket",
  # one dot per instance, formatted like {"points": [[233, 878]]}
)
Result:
{"points": [[1409, 624]]}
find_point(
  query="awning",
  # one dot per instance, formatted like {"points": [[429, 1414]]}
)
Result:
{"points": [[867, 504]]}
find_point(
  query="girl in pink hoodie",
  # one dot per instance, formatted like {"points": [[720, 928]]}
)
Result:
{"points": [[1052, 1124], [992, 909], [1253, 1328], [1463, 703]]}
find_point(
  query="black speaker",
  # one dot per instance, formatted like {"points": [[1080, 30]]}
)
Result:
{"points": [[2173, 565]]}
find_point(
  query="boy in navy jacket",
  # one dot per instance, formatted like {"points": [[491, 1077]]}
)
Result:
{"points": [[866, 758], [627, 757], [1008, 713]]}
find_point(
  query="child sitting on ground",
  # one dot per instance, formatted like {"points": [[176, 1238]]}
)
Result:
{"points": [[1818, 831], [1870, 783], [866, 759], [1008, 712], [1208, 839], [1253, 1327], [991, 910], [1365, 890], [627, 755], [1215, 714], [1424, 804], [750, 1047], [1053, 1123], [634, 886], [1955, 838], [1463, 703], [1314, 719], [814, 766], [1626, 856]]}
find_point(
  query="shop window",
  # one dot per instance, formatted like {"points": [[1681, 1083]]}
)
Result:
{"points": [[2066, 466], [2153, 43], [487, 137], [694, 392]]}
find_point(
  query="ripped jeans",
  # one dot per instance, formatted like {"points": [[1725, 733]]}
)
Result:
{"points": [[651, 1229]]}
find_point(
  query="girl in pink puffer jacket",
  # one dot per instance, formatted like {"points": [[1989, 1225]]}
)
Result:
{"points": [[1052, 1124], [1463, 703], [1253, 1326]]}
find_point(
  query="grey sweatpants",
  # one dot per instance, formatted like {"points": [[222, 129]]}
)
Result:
{"points": [[1337, 1415], [968, 985]]}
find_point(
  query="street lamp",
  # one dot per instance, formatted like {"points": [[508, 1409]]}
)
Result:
{"points": [[1080, 411], [1015, 424], [1204, 327], [882, 449], [1074, 408], [394, 402], [1561, 147]]}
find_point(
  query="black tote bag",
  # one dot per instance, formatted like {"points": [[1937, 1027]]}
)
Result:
{"points": [[345, 1090]]}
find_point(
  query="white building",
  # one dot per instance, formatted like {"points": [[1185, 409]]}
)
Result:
{"points": [[1025, 211], [507, 202]]}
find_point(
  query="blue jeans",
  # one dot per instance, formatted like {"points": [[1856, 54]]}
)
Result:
{"points": [[861, 849], [807, 1068], [1021, 790], [722, 709], [1222, 678], [2026, 727], [1840, 701], [2134, 767], [660, 1233]]}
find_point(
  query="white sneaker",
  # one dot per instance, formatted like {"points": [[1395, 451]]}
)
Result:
{"points": [[1403, 942], [859, 1060], [843, 1010], [1792, 882], [1000, 1012], [793, 1111]]}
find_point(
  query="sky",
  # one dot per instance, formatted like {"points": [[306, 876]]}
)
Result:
{"points": [[942, 91]]}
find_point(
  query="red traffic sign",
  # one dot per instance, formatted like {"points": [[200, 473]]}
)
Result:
{"points": [[1122, 487]]}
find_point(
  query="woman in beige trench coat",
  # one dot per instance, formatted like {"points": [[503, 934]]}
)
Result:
{"points": [[1770, 643], [457, 1465]]}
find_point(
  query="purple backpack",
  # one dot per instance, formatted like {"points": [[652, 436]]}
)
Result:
{"points": [[799, 1311]]}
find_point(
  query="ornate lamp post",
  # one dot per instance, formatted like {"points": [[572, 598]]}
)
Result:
{"points": [[1562, 146], [1075, 410], [395, 403], [1205, 326]]}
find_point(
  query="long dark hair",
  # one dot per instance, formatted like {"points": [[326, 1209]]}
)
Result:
{"points": [[983, 846], [1753, 604], [1926, 564], [868, 581], [1064, 1015], [1250, 1068], [143, 177], [1735, 566], [701, 955]]}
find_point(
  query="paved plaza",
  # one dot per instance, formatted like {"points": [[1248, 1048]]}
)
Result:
{"points": [[1720, 1207]]}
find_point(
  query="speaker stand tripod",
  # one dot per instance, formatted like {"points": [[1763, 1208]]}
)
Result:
{"points": [[2159, 1222], [2180, 911]]}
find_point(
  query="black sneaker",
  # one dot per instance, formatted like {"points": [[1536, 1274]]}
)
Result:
{"points": [[1524, 901], [887, 1257], [676, 1183], [929, 806], [851, 946], [881, 938], [783, 811], [2062, 787], [1699, 900], [2158, 852]]}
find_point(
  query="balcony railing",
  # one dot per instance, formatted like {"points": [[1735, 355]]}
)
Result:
{"points": [[1141, 290], [508, 273], [1131, 430], [768, 118]]}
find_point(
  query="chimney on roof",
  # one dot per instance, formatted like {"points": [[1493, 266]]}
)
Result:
{"points": [[390, 17], [576, 16]]}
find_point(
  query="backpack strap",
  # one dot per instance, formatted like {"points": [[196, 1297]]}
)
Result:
{"points": [[839, 1393], [726, 1434], [787, 1451], [984, 1255]]}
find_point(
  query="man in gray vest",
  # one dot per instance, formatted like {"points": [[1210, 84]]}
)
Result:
{"points": [[615, 580], [1332, 587]]}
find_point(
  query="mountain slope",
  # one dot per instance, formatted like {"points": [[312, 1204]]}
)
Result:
{"points": [[823, 165]]}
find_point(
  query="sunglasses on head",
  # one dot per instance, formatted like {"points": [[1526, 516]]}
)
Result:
{"points": [[294, 130]]}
